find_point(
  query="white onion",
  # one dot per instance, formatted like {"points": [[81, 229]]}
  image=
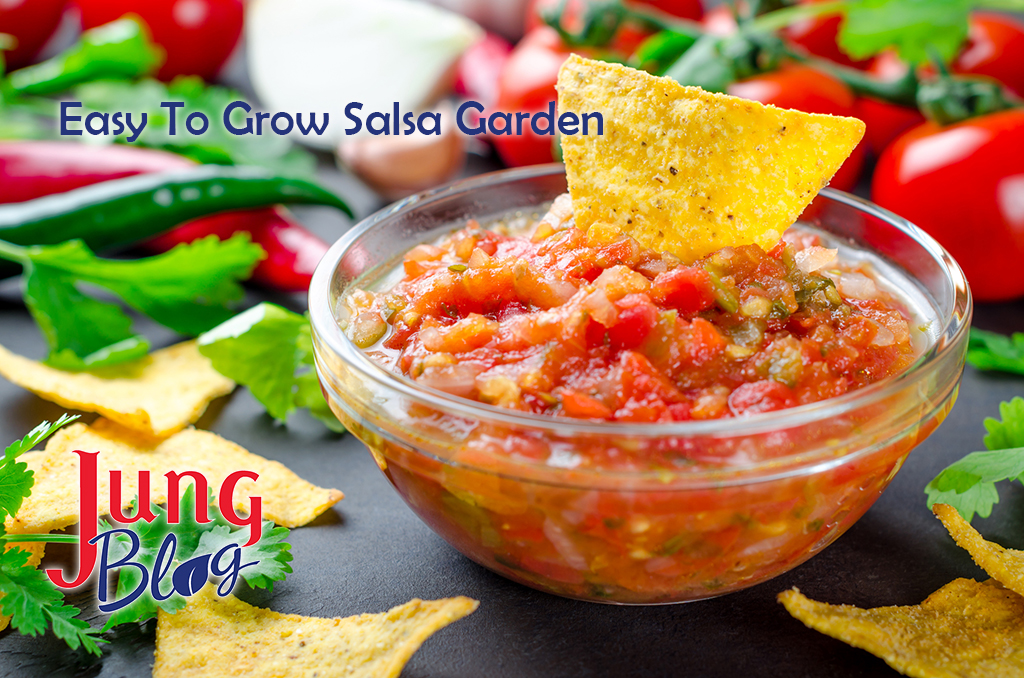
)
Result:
{"points": [[459, 379], [814, 259], [857, 286]]}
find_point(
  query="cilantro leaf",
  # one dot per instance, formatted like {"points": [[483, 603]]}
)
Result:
{"points": [[26, 594], [151, 538], [968, 485], [186, 289], [15, 478], [271, 555], [270, 349], [912, 27], [93, 334], [34, 603], [997, 352]]}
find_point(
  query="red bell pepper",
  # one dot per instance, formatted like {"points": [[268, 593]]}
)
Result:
{"points": [[32, 169]]}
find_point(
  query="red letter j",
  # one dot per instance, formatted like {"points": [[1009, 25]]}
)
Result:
{"points": [[89, 511]]}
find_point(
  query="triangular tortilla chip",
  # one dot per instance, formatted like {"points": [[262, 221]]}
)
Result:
{"points": [[963, 630], [159, 394], [226, 637], [688, 171], [54, 503], [1004, 565]]}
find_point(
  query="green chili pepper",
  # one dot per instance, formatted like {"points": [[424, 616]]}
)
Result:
{"points": [[660, 50], [120, 49], [123, 211]]}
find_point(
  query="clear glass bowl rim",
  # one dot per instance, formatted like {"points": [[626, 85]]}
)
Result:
{"points": [[326, 329]]}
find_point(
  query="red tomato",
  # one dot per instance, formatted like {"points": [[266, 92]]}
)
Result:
{"points": [[995, 48], [31, 23], [198, 35], [684, 9], [885, 121], [527, 83], [964, 184], [818, 36], [806, 89], [479, 68]]}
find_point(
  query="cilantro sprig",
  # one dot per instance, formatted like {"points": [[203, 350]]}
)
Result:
{"points": [[969, 485], [270, 349], [271, 555], [187, 289], [28, 596], [996, 352]]}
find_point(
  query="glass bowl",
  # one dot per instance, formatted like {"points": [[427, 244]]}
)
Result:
{"points": [[758, 494]]}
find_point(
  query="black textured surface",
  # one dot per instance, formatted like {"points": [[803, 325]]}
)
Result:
{"points": [[371, 553]]}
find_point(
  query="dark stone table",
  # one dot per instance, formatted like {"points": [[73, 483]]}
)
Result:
{"points": [[370, 553]]}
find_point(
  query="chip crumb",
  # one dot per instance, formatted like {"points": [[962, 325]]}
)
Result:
{"points": [[963, 630], [215, 636], [159, 394], [54, 503], [1002, 564], [714, 142]]}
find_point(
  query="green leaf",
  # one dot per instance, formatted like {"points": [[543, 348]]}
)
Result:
{"points": [[968, 485], [271, 553], [194, 539], [151, 538], [35, 604], [82, 332], [15, 478], [996, 352], [913, 27], [187, 289], [269, 349]]}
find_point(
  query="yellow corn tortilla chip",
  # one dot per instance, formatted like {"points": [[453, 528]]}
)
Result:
{"points": [[54, 503], [1004, 565], [688, 171], [159, 394], [215, 636], [963, 630]]}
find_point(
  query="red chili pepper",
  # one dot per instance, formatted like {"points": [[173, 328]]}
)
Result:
{"points": [[32, 169]]}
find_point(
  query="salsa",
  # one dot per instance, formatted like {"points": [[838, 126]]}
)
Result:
{"points": [[533, 315], [548, 319]]}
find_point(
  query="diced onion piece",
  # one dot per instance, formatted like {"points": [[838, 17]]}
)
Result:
{"points": [[471, 332], [459, 380], [857, 286], [618, 281], [884, 336], [601, 309], [366, 328], [814, 259]]}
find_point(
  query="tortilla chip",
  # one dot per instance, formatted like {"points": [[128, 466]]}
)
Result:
{"points": [[54, 503], [963, 630], [1004, 565], [159, 394], [688, 171], [215, 636]]}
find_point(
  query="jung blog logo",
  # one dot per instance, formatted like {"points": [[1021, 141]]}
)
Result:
{"points": [[187, 577]]}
